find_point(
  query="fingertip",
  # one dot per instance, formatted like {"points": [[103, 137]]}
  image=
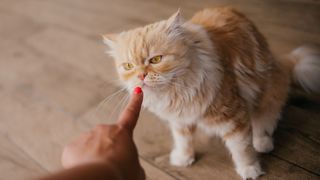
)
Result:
{"points": [[130, 114], [137, 90], [137, 96]]}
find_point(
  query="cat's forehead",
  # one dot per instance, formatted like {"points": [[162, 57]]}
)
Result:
{"points": [[138, 44]]}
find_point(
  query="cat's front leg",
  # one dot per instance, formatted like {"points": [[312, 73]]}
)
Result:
{"points": [[239, 143], [182, 153]]}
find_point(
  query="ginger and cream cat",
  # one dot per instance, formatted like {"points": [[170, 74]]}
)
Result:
{"points": [[216, 73]]}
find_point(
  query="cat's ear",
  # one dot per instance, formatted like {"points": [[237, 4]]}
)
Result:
{"points": [[176, 19], [175, 22], [110, 39]]}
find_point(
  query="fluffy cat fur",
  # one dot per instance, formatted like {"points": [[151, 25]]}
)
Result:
{"points": [[216, 74]]}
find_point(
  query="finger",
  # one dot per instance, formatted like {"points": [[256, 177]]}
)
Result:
{"points": [[130, 114]]}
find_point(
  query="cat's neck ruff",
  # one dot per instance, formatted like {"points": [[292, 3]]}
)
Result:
{"points": [[195, 89]]}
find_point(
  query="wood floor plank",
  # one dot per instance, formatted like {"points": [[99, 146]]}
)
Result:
{"points": [[278, 169], [54, 74], [85, 54], [41, 73], [41, 135], [294, 139], [153, 172], [15, 164], [12, 25]]}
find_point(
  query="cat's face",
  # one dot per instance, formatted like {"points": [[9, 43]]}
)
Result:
{"points": [[152, 56]]}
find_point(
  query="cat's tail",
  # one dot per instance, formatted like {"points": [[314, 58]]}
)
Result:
{"points": [[306, 68]]}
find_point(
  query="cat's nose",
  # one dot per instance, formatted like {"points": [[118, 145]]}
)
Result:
{"points": [[142, 75]]}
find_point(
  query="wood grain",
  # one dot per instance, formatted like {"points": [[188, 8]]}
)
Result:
{"points": [[54, 73]]}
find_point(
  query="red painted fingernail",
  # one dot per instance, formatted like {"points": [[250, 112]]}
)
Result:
{"points": [[137, 90]]}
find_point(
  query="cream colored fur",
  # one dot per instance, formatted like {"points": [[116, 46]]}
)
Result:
{"points": [[217, 74]]}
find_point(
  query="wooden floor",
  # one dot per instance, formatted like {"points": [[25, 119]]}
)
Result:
{"points": [[54, 73]]}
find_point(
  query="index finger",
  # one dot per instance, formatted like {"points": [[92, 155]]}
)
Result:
{"points": [[130, 114]]}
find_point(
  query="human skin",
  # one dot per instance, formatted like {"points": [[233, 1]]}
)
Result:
{"points": [[107, 151]]}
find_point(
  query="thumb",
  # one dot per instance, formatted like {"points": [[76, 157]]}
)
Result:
{"points": [[129, 116]]}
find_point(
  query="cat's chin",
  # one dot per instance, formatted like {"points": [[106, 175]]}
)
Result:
{"points": [[149, 87], [152, 87]]}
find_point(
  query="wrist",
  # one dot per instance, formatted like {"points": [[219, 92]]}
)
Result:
{"points": [[113, 169], [126, 171]]}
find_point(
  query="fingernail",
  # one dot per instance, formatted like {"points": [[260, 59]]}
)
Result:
{"points": [[137, 90]]}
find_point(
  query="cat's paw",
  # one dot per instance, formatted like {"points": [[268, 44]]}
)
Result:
{"points": [[250, 171], [263, 144], [178, 158]]}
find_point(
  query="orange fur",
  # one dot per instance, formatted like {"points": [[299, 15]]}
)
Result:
{"points": [[216, 72]]}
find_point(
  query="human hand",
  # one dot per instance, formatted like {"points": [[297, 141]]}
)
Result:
{"points": [[110, 144]]}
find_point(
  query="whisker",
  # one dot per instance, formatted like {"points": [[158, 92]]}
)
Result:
{"points": [[117, 106], [123, 104], [103, 102]]}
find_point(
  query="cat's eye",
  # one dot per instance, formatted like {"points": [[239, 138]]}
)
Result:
{"points": [[155, 59], [127, 66]]}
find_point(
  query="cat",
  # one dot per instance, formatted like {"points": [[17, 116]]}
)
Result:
{"points": [[216, 73]]}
